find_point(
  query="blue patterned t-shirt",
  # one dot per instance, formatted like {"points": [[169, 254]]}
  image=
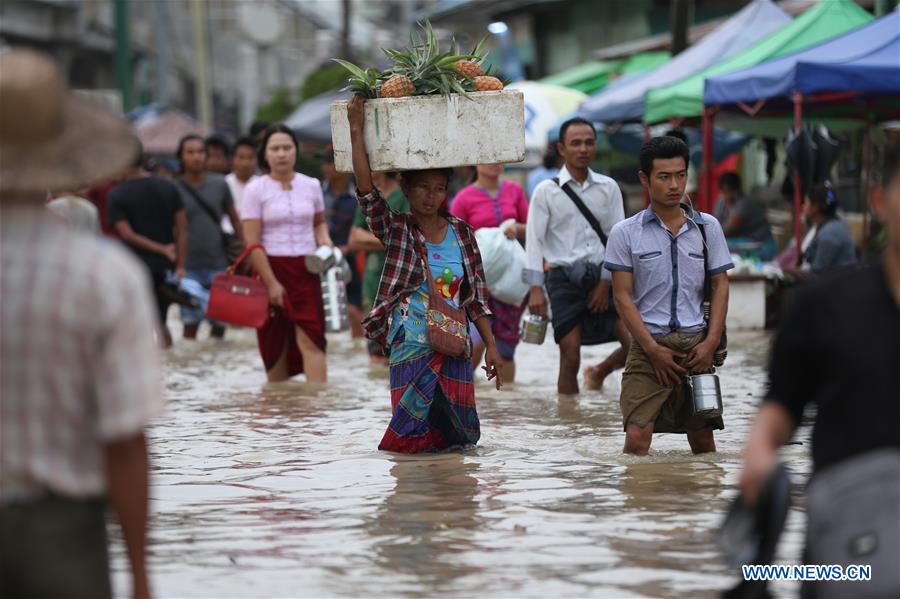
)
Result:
{"points": [[445, 261]]}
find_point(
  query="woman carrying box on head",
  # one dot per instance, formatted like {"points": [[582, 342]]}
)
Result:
{"points": [[432, 393]]}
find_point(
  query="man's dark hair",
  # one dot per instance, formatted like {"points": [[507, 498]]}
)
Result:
{"points": [[185, 139], [823, 197], [258, 127], [272, 130], [551, 156], [574, 121], [244, 140], [678, 133], [891, 168], [663, 147], [731, 180], [218, 141]]}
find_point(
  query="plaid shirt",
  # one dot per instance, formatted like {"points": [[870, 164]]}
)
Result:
{"points": [[403, 268], [78, 363]]}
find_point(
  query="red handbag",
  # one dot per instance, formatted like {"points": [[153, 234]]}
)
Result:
{"points": [[236, 299]]}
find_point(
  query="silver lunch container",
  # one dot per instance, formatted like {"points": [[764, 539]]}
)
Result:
{"points": [[706, 394], [533, 329], [334, 298], [321, 260]]}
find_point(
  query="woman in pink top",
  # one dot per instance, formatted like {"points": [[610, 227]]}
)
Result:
{"points": [[490, 202], [285, 212]]}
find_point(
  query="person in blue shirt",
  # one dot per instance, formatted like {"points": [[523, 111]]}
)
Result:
{"points": [[832, 247], [658, 269]]}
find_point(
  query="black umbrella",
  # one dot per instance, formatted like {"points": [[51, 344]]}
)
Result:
{"points": [[812, 151]]}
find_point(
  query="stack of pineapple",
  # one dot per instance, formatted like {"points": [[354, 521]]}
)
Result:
{"points": [[421, 69]]}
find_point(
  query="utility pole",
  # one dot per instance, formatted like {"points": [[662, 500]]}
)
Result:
{"points": [[123, 52], [201, 64], [345, 29], [163, 52], [680, 12]]}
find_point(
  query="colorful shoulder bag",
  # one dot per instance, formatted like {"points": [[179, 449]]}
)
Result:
{"points": [[448, 327]]}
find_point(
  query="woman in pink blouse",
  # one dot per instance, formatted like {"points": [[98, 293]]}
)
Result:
{"points": [[285, 212], [493, 202]]}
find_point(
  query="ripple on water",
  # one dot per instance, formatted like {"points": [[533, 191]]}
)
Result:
{"points": [[278, 489]]}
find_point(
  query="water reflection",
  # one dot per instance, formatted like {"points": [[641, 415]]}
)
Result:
{"points": [[278, 490], [426, 522]]}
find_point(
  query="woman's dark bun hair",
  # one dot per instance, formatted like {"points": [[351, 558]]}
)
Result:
{"points": [[823, 197]]}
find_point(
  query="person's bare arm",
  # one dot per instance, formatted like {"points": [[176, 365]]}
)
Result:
{"points": [[128, 235], [181, 242], [701, 355], [520, 231], [127, 473], [356, 115], [493, 363], [323, 237], [662, 358], [363, 241], [260, 262], [515, 231], [771, 429], [235, 222]]}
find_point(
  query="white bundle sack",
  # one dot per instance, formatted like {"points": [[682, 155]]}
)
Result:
{"points": [[504, 260]]}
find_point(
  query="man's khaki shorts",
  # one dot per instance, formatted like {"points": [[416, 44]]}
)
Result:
{"points": [[644, 400]]}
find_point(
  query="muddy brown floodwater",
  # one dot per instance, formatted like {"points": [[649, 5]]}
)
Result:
{"points": [[279, 490]]}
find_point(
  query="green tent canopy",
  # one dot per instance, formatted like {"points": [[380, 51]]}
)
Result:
{"points": [[827, 19], [592, 76]]}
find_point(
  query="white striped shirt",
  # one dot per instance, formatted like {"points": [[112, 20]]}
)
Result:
{"points": [[78, 362]]}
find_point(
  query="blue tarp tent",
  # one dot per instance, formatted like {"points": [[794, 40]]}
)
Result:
{"points": [[312, 119], [852, 77], [626, 102], [864, 61]]}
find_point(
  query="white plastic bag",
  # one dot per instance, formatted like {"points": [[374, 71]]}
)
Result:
{"points": [[503, 260]]}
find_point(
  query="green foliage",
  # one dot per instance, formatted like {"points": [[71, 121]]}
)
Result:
{"points": [[323, 79], [279, 106], [430, 70], [364, 82]]}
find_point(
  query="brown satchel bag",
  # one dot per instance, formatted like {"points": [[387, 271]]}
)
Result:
{"points": [[448, 327]]}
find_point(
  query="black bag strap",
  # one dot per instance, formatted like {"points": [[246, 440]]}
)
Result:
{"points": [[206, 207], [591, 219], [707, 282]]}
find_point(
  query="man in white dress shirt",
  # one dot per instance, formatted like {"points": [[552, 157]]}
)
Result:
{"points": [[560, 233], [243, 171]]}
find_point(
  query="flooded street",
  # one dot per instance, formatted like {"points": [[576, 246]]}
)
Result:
{"points": [[279, 490]]}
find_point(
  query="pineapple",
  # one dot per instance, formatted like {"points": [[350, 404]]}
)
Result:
{"points": [[468, 68], [397, 86], [421, 69], [487, 84], [429, 70]]}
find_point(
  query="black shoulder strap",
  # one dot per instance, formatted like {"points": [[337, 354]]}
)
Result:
{"points": [[707, 283], [206, 207], [591, 219]]}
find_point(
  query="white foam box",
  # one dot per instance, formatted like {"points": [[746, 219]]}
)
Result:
{"points": [[421, 132]]}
